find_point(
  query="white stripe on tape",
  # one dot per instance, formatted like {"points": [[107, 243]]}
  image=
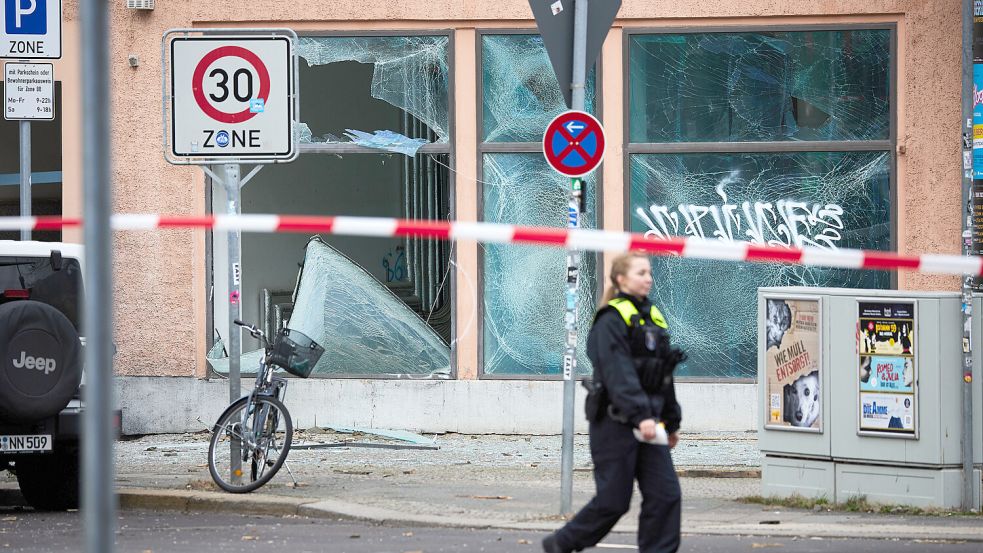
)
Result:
{"points": [[951, 264], [844, 259], [483, 232], [364, 226], [18, 223], [598, 240], [715, 249], [135, 221], [247, 223]]}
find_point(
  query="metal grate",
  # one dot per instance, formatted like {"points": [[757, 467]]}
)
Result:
{"points": [[140, 4]]}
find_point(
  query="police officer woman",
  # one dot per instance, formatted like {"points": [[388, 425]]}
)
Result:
{"points": [[634, 417]]}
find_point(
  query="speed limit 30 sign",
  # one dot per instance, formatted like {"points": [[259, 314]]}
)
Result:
{"points": [[232, 97]]}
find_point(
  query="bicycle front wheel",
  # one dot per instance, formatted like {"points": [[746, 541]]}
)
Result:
{"points": [[249, 443]]}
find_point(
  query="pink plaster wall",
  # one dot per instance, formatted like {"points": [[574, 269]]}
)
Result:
{"points": [[159, 276]]}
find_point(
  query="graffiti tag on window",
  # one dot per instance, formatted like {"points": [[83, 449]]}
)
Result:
{"points": [[395, 265], [783, 222]]}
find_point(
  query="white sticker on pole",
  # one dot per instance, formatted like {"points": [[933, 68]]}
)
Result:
{"points": [[28, 91], [231, 97], [30, 29]]}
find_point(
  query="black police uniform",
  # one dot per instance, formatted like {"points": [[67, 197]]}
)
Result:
{"points": [[634, 365]]}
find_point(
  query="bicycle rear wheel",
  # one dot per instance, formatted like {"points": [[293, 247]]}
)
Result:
{"points": [[263, 430]]}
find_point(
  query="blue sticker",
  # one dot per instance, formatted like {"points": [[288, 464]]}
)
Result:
{"points": [[978, 121], [222, 139], [256, 105]]}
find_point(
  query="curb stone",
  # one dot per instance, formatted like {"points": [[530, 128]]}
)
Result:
{"points": [[258, 504], [180, 500], [717, 473]]}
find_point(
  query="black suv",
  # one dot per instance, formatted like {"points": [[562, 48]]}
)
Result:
{"points": [[41, 369]]}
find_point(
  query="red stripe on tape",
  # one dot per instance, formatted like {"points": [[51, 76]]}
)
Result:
{"points": [[204, 221], [305, 223], [55, 223], [887, 261], [540, 235], [430, 229], [657, 245], [757, 252]]}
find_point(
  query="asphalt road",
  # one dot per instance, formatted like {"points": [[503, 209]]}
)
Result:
{"points": [[23, 530]]}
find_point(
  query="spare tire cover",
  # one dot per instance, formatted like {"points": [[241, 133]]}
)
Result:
{"points": [[40, 361]]}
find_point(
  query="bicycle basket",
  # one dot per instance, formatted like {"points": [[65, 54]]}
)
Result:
{"points": [[295, 353]]}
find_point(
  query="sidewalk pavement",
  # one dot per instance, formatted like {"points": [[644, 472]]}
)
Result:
{"points": [[509, 482]]}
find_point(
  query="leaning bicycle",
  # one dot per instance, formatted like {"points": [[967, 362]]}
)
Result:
{"points": [[252, 437]]}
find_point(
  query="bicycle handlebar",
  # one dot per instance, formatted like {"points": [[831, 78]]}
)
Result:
{"points": [[253, 330]]}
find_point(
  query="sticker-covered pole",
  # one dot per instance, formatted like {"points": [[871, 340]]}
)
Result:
{"points": [[25, 175], [970, 241], [233, 193], [573, 269], [98, 494]]}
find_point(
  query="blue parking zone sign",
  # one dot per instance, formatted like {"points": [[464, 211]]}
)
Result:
{"points": [[26, 17]]}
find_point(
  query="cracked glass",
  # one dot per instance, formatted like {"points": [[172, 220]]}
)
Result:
{"points": [[829, 200], [364, 327], [524, 286], [520, 94], [407, 72], [760, 86]]}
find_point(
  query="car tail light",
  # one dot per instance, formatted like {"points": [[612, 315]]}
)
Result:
{"points": [[16, 294]]}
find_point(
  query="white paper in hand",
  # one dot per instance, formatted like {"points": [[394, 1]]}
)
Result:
{"points": [[661, 437]]}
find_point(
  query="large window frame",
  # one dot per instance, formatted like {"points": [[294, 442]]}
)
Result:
{"points": [[763, 147], [336, 148], [482, 148]]}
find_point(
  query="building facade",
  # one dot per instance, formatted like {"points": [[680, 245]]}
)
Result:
{"points": [[832, 124]]}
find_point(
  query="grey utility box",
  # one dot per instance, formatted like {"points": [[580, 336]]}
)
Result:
{"points": [[860, 394]]}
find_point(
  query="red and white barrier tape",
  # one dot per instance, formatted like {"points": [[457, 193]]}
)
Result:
{"points": [[576, 239]]}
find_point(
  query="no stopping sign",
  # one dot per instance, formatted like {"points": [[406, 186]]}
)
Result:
{"points": [[231, 97]]}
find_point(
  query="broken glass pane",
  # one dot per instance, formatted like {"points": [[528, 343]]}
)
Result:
{"points": [[364, 327], [409, 73], [520, 95], [829, 200], [524, 300], [803, 85], [386, 141]]}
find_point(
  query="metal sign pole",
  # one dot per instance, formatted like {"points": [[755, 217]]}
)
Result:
{"points": [[573, 269], [968, 201], [98, 497], [233, 192], [25, 175], [233, 205]]}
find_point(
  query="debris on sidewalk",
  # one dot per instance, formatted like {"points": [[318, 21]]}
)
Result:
{"points": [[382, 439]]}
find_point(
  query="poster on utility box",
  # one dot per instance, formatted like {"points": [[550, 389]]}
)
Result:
{"points": [[792, 365], [886, 368]]}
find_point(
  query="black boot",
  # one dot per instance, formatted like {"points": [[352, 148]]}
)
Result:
{"points": [[551, 546]]}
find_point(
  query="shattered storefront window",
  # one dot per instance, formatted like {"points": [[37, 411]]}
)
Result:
{"points": [[375, 142], [520, 94], [524, 300], [364, 327], [829, 200], [774, 86], [407, 72]]}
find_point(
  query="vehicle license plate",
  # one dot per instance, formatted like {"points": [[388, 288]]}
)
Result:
{"points": [[19, 444]]}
